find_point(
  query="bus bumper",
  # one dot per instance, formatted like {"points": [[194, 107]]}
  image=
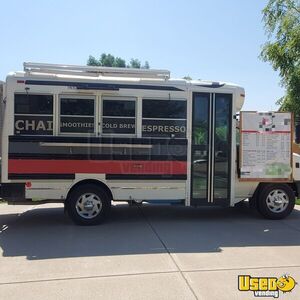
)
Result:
{"points": [[12, 191]]}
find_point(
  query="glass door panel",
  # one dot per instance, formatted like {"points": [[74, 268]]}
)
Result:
{"points": [[200, 146], [211, 148], [222, 146]]}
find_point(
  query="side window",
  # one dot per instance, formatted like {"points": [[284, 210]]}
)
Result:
{"points": [[33, 114], [77, 115], [118, 116], [164, 118]]}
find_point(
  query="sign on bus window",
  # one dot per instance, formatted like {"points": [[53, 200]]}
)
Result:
{"points": [[164, 118], [77, 115], [118, 116], [33, 114]]}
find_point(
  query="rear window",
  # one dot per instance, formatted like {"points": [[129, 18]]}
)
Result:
{"points": [[33, 104]]}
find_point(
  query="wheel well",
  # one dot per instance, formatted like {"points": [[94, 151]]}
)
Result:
{"points": [[91, 181], [294, 188], [292, 185]]}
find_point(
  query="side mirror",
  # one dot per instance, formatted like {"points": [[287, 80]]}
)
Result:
{"points": [[297, 134]]}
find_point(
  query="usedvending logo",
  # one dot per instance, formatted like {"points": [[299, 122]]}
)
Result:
{"points": [[266, 286]]}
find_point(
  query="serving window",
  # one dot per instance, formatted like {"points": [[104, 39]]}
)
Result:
{"points": [[77, 115], [118, 116], [33, 114], [164, 118]]}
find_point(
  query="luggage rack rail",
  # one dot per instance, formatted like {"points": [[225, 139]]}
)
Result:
{"points": [[95, 71]]}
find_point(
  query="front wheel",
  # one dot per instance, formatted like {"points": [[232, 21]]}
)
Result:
{"points": [[276, 201], [88, 204]]}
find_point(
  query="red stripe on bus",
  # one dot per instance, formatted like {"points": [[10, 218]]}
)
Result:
{"points": [[96, 166]]}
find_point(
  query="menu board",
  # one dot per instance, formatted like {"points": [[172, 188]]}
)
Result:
{"points": [[265, 146]]}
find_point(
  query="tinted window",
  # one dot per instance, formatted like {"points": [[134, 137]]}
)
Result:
{"points": [[118, 117], [200, 119], [222, 146], [70, 106], [33, 114], [122, 108], [77, 115], [164, 109], [200, 145], [33, 104], [164, 118]]}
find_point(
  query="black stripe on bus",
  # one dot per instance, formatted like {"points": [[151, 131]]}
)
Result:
{"points": [[213, 85], [25, 176], [102, 86], [97, 140], [144, 177], [43, 176], [60, 156]]}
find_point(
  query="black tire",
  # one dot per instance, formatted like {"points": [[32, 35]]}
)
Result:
{"points": [[76, 210], [270, 209]]}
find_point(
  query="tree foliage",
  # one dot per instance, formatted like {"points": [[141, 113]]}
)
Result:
{"points": [[282, 49], [187, 77], [108, 60]]}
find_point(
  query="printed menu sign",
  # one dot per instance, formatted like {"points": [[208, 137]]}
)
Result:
{"points": [[265, 145]]}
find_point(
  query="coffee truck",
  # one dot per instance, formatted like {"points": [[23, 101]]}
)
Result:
{"points": [[87, 136]]}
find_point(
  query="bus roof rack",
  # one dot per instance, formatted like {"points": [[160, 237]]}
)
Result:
{"points": [[95, 71]]}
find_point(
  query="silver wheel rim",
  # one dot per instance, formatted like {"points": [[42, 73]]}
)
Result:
{"points": [[277, 201], [88, 205]]}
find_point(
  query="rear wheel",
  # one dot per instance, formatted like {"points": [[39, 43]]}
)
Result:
{"points": [[88, 204], [276, 201]]}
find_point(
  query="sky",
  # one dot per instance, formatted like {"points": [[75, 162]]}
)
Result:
{"points": [[210, 40]]}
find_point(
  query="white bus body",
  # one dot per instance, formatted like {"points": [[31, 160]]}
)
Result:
{"points": [[131, 135]]}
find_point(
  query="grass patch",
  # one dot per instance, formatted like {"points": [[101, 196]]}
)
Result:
{"points": [[298, 201]]}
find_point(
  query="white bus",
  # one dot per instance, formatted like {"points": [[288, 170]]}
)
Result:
{"points": [[87, 136]]}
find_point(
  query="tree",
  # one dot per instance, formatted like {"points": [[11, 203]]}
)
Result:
{"points": [[134, 63], [108, 60], [146, 65], [188, 77], [282, 49], [92, 61], [119, 62]]}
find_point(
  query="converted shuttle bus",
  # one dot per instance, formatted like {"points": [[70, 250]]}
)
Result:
{"points": [[87, 136]]}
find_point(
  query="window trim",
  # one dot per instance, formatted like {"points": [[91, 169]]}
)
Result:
{"points": [[70, 96], [119, 98]]}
